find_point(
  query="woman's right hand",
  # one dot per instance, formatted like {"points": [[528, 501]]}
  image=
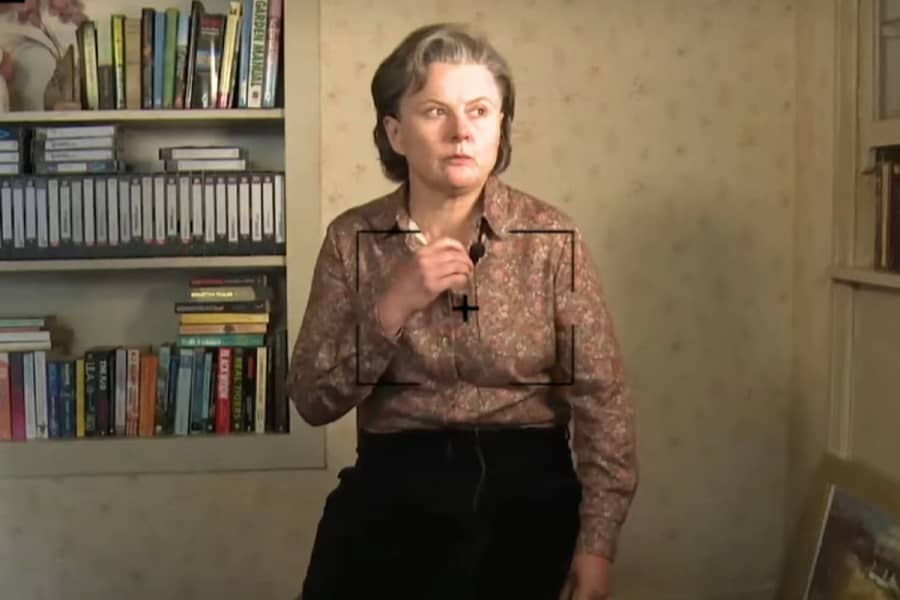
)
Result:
{"points": [[435, 268]]}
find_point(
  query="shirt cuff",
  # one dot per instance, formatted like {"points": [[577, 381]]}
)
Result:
{"points": [[391, 336]]}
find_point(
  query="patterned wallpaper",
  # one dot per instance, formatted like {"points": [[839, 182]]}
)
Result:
{"points": [[666, 129]]}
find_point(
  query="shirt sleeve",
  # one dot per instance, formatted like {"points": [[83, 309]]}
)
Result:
{"points": [[604, 438], [341, 350]]}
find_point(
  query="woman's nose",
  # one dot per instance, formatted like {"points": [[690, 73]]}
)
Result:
{"points": [[462, 130]]}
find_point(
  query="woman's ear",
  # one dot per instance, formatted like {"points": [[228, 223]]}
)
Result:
{"points": [[394, 135]]}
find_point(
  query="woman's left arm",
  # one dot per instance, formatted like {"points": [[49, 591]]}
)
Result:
{"points": [[604, 437]]}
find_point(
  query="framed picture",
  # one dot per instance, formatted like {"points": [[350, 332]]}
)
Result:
{"points": [[848, 545]]}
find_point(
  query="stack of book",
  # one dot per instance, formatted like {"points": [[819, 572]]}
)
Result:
{"points": [[24, 334], [223, 327], [75, 149], [203, 158], [12, 150], [24, 373], [176, 59]]}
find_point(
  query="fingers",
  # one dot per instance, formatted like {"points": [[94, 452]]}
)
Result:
{"points": [[452, 276], [451, 264], [456, 282], [445, 264]]}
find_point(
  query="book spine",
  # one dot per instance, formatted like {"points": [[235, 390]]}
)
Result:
{"points": [[223, 390], [229, 317], [172, 392], [244, 62], [106, 76], [53, 400], [183, 391], [117, 24], [235, 340], [28, 379], [249, 389], [281, 422], [133, 63], [149, 367], [229, 51], [89, 60], [207, 409], [79, 397], [169, 57], [91, 392], [5, 398], [159, 58], [237, 390], [40, 394], [17, 396], [221, 307], [67, 400], [181, 51], [273, 52], [148, 21], [261, 395], [207, 62], [132, 410], [193, 38], [197, 425], [162, 388], [103, 401], [257, 74]]}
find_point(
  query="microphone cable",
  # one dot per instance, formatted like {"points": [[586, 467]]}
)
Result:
{"points": [[476, 252]]}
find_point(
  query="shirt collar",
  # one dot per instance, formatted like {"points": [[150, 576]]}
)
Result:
{"points": [[496, 213]]}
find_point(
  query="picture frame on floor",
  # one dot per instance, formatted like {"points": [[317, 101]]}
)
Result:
{"points": [[848, 542]]}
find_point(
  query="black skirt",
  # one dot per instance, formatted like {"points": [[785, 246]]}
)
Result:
{"points": [[449, 514]]}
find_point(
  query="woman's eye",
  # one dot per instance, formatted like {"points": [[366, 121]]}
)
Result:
{"points": [[434, 111], [480, 111]]}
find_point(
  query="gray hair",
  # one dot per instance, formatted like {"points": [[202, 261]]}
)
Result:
{"points": [[404, 71]]}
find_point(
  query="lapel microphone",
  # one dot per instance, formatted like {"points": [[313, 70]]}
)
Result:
{"points": [[476, 250]]}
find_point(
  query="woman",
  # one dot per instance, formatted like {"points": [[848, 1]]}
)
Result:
{"points": [[465, 323]]}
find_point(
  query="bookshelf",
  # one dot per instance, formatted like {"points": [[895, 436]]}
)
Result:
{"points": [[155, 117], [123, 301], [193, 263], [871, 278], [865, 299]]}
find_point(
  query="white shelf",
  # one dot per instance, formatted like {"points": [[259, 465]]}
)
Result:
{"points": [[205, 453], [883, 132], [866, 277], [143, 116], [135, 264]]}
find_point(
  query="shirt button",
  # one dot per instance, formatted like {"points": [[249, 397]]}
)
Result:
{"points": [[445, 341]]}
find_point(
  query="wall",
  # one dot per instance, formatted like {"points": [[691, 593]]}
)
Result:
{"points": [[667, 129], [814, 143]]}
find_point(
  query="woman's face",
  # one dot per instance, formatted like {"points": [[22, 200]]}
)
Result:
{"points": [[449, 131]]}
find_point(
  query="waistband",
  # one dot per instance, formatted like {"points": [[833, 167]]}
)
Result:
{"points": [[531, 444]]}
